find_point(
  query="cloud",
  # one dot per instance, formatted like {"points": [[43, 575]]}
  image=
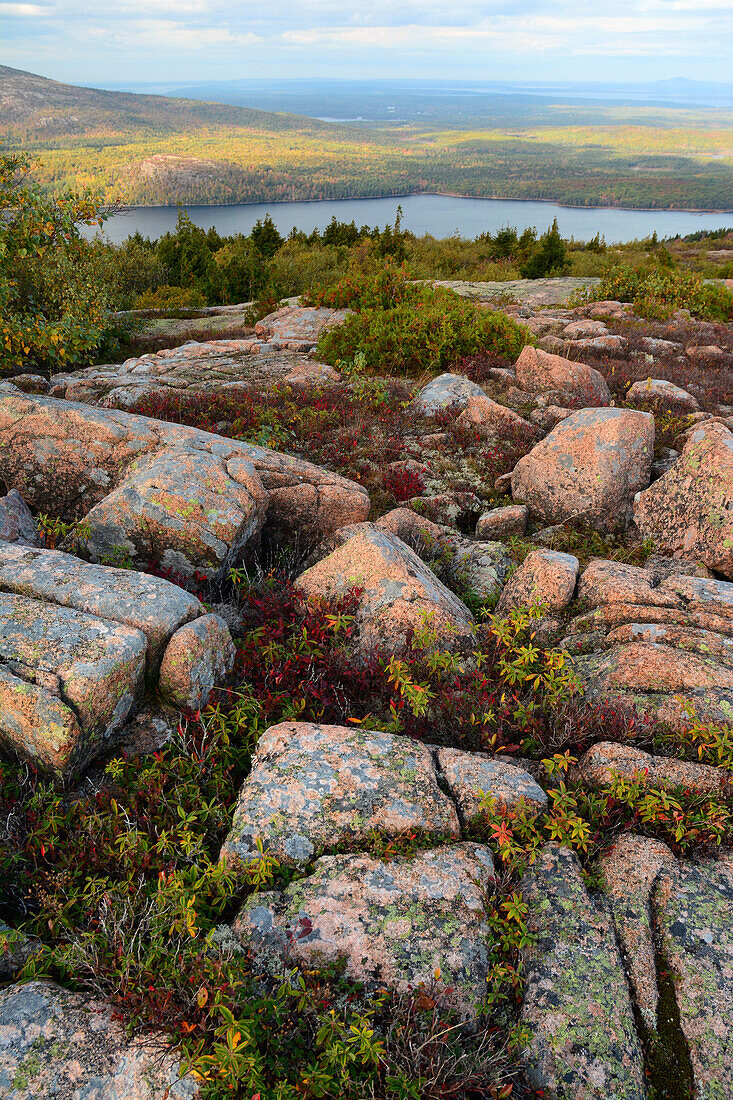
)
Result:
{"points": [[158, 33], [204, 39], [22, 11]]}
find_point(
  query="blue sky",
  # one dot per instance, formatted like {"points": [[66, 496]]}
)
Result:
{"points": [[187, 40]]}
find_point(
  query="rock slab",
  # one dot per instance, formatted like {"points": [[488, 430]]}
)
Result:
{"points": [[59, 1044], [576, 1002], [395, 923], [313, 787]]}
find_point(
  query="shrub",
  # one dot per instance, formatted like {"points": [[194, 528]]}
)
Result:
{"points": [[548, 258], [170, 297], [403, 328], [53, 304], [658, 291]]}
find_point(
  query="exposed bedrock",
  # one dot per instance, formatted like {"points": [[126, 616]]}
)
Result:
{"points": [[163, 492]]}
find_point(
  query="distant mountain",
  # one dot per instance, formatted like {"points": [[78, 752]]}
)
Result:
{"points": [[524, 142], [38, 108]]}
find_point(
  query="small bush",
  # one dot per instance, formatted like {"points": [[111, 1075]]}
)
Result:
{"points": [[53, 298], [403, 328], [170, 297], [657, 292]]}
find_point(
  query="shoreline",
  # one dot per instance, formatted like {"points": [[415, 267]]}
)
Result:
{"points": [[429, 194]]}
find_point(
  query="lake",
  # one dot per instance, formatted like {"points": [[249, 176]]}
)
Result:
{"points": [[439, 215]]}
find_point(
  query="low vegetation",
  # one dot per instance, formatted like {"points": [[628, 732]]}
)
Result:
{"points": [[120, 879], [57, 289]]}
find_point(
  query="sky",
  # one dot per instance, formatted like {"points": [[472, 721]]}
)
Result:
{"points": [[83, 41]]}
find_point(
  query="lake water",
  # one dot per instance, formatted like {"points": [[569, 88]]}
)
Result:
{"points": [[439, 215]]}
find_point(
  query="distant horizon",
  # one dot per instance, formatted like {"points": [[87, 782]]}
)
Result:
{"points": [[82, 42]]}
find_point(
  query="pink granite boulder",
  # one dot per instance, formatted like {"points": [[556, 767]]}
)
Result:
{"points": [[589, 467]]}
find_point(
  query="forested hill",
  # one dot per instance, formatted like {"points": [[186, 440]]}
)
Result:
{"points": [[34, 108], [156, 150]]}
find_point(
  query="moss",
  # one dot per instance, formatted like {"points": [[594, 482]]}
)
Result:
{"points": [[666, 1051]]}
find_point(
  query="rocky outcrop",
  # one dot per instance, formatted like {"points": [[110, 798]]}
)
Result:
{"points": [[590, 466], [399, 924], [80, 642], [299, 328], [688, 511], [59, 1044], [161, 492], [657, 640], [235, 366]]}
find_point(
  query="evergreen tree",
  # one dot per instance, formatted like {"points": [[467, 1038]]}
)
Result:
{"points": [[265, 237], [549, 258]]}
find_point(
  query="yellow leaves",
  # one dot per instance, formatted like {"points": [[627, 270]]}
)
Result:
{"points": [[202, 996]]}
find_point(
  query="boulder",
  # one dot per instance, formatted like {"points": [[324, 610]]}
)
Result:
{"points": [[68, 681], [546, 577], [160, 491], [495, 422], [704, 353], [398, 592], [16, 521], [78, 644], [604, 582], [197, 658], [478, 567], [180, 506], [60, 1044], [590, 466], [540, 372], [603, 345], [661, 396], [502, 523], [688, 512], [468, 775], [150, 604], [398, 924], [584, 1044], [603, 762], [447, 391], [312, 787], [661, 349], [546, 417], [692, 905], [584, 330]]}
